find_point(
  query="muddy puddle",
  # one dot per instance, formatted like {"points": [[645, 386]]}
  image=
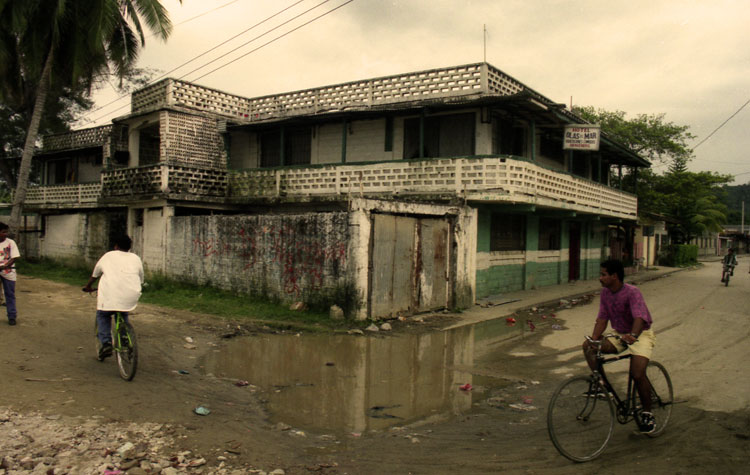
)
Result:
{"points": [[349, 383]]}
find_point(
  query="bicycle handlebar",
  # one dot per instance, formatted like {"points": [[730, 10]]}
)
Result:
{"points": [[604, 337]]}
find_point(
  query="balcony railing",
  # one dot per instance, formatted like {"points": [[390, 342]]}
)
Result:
{"points": [[455, 81], [164, 179], [493, 179], [73, 195]]}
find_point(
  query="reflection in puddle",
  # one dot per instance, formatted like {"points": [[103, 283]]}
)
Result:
{"points": [[355, 384]]}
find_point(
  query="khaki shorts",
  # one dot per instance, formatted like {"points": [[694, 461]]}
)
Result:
{"points": [[643, 347]]}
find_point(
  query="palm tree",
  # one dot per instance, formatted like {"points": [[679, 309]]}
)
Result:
{"points": [[69, 44]]}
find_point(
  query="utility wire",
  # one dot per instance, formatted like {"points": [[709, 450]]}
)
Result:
{"points": [[722, 124], [198, 56], [259, 47], [262, 35], [273, 40]]}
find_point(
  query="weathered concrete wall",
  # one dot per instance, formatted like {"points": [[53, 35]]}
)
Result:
{"points": [[154, 238], [366, 142], [326, 146], [288, 257], [76, 236]]}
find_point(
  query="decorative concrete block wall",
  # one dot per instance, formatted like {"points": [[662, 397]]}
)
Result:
{"points": [[191, 140]]}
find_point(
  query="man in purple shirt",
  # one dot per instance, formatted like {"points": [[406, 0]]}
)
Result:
{"points": [[623, 307]]}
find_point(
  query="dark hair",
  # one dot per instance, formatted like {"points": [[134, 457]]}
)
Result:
{"points": [[3, 226], [123, 242], [613, 266]]}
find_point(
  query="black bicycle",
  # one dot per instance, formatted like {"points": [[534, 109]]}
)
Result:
{"points": [[124, 345], [583, 409], [726, 273]]}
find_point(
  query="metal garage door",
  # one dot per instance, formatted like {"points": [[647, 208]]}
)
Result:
{"points": [[409, 265]]}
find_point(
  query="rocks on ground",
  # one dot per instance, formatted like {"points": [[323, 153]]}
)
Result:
{"points": [[37, 443]]}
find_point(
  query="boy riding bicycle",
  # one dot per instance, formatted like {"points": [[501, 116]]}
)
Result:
{"points": [[729, 261], [121, 275], [623, 306]]}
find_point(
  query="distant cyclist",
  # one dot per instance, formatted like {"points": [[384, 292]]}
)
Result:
{"points": [[121, 275], [729, 261]]}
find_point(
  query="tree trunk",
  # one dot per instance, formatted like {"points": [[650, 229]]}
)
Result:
{"points": [[28, 148]]}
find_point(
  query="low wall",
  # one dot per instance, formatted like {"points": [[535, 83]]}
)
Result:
{"points": [[286, 257]]}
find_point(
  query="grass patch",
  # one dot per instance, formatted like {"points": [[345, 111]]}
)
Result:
{"points": [[186, 296]]}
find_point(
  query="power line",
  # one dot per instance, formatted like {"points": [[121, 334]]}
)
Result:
{"points": [[722, 124], [263, 34], [198, 56], [275, 39], [259, 47]]}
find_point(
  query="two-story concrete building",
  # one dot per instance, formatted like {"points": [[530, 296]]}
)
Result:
{"points": [[389, 195]]}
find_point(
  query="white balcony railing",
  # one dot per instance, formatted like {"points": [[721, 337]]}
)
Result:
{"points": [[164, 178], [455, 81], [76, 194], [493, 179]]}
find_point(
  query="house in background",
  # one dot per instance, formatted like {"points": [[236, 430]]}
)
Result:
{"points": [[385, 196]]}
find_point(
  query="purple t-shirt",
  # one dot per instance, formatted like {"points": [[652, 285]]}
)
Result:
{"points": [[621, 308]]}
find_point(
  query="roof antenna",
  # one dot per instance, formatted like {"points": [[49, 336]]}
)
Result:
{"points": [[484, 38]]}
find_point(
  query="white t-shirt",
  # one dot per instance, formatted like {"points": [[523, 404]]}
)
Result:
{"points": [[121, 278], [8, 251]]}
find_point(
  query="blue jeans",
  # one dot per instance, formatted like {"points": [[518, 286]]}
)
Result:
{"points": [[9, 288], [104, 324]]}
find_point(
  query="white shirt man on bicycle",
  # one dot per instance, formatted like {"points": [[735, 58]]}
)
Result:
{"points": [[121, 274]]}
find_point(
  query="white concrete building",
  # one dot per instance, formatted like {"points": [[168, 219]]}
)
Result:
{"points": [[389, 195]]}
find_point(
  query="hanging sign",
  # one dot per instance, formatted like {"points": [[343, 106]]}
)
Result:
{"points": [[581, 137]]}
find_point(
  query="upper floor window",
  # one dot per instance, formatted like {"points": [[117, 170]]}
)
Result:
{"points": [[444, 136], [509, 137], [551, 147], [296, 146]]}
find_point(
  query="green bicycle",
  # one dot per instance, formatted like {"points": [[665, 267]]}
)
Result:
{"points": [[124, 345]]}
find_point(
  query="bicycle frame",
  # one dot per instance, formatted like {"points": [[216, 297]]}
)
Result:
{"points": [[117, 334], [625, 407]]}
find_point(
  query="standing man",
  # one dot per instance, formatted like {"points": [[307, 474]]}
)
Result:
{"points": [[8, 255], [623, 307], [121, 275]]}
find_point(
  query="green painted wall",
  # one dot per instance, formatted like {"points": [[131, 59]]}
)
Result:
{"points": [[508, 278], [499, 279]]}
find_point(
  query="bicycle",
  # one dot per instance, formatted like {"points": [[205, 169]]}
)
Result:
{"points": [[124, 345], [583, 409], [726, 273]]}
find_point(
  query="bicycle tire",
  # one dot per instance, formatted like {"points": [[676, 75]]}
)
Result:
{"points": [[580, 419], [126, 349], [662, 396]]}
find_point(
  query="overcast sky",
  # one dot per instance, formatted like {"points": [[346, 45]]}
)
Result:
{"points": [[687, 59]]}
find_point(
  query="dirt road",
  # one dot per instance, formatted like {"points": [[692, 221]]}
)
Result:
{"points": [[63, 410]]}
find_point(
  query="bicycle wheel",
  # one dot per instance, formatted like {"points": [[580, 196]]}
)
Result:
{"points": [[662, 396], [126, 348], [580, 419]]}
